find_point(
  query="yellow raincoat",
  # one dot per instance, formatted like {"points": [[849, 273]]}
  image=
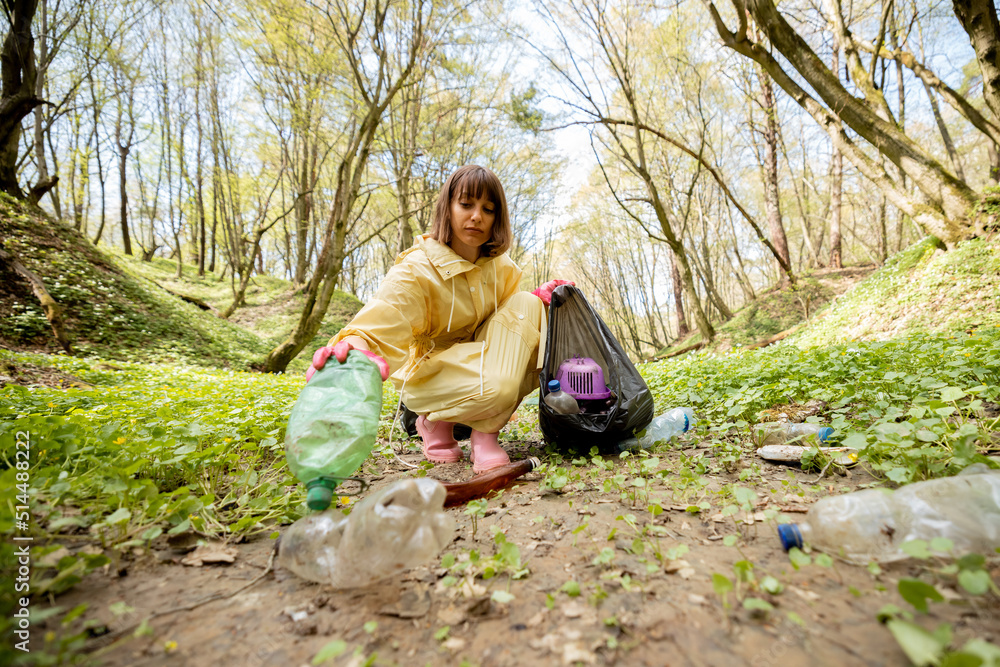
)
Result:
{"points": [[452, 353]]}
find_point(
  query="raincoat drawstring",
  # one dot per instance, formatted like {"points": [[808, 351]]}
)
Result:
{"points": [[400, 402], [452, 311]]}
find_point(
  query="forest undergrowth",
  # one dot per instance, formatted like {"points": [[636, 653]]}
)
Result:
{"points": [[144, 451], [124, 455]]}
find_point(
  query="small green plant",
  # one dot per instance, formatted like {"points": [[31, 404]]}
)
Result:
{"points": [[475, 510]]}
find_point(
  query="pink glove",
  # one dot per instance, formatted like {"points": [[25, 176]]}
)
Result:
{"points": [[545, 291], [339, 352]]}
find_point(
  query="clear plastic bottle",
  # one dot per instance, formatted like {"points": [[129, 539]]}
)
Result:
{"points": [[391, 530], [560, 402], [786, 433], [333, 425], [668, 425], [873, 524]]}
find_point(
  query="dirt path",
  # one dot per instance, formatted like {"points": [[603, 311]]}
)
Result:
{"points": [[626, 613]]}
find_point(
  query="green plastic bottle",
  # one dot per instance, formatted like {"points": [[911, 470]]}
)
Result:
{"points": [[333, 425]]}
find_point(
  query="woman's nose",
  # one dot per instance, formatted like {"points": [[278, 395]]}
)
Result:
{"points": [[477, 212]]}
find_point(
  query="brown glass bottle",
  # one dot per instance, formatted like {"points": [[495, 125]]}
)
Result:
{"points": [[460, 493]]}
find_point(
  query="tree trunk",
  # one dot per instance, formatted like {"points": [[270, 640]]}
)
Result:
{"points": [[199, 178], [123, 151], [949, 145], [303, 211], [675, 278], [17, 97], [836, 188], [353, 164], [979, 19], [53, 311], [772, 195], [44, 182], [944, 201]]}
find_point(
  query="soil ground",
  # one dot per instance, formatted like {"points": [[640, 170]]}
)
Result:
{"points": [[624, 616]]}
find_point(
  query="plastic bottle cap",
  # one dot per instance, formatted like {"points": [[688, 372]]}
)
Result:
{"points": [[318, 498], [554, 385], [319, 493], [824, 433], [790, 536]]}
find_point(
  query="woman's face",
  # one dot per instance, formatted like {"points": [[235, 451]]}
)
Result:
{"points": [[471, 224]]}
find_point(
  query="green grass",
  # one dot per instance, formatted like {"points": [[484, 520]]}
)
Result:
{"points": [[919, 406]]}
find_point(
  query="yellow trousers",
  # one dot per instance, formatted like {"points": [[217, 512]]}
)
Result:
{"points": [[481, 382]]}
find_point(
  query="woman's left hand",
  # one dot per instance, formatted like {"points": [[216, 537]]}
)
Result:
{"points": [[544, 292]]}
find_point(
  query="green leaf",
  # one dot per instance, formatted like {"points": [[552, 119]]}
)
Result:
{"points": [[771, 585], [571, 588], [961, 659], [990, 653], [503, 597], [721, 583], [856, 441], [920, 646], [917, 593], [916, 549], [976, 582], [942, 545], [798, 558], [120, 515], [331, 650], [442, 633], [756, 604], [730, 540], [951, 394]]}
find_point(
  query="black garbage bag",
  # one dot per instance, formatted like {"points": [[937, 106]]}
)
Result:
{"points": [[576, 330]]}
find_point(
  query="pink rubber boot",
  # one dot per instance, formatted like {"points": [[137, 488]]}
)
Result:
{"points": [[439, 443], [486, 452]]}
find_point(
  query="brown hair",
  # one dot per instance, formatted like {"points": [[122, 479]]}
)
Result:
{"points": [[474, 181]]}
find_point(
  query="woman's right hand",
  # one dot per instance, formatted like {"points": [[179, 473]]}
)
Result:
{"points": [[339, 352]]}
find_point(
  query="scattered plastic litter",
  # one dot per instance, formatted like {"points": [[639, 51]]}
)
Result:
{"points": [[785, 433], [389, 531], [874, 524], [844, 456], [333, 425], [663, 428], [560, 401]]}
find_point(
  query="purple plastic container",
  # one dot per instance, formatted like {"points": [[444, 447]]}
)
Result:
{"points": [[583, 378]]}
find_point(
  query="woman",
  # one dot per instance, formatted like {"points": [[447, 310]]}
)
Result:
{"points": [[449, 325]]}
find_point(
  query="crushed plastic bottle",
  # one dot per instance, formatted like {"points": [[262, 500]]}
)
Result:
{"points": [[785, 433], [664, 427], [873, 524], [560, 402], [333, 426], [389, 531]]}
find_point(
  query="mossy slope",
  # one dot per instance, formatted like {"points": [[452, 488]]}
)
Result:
{"points": [[117, 307], [922, 289]]}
